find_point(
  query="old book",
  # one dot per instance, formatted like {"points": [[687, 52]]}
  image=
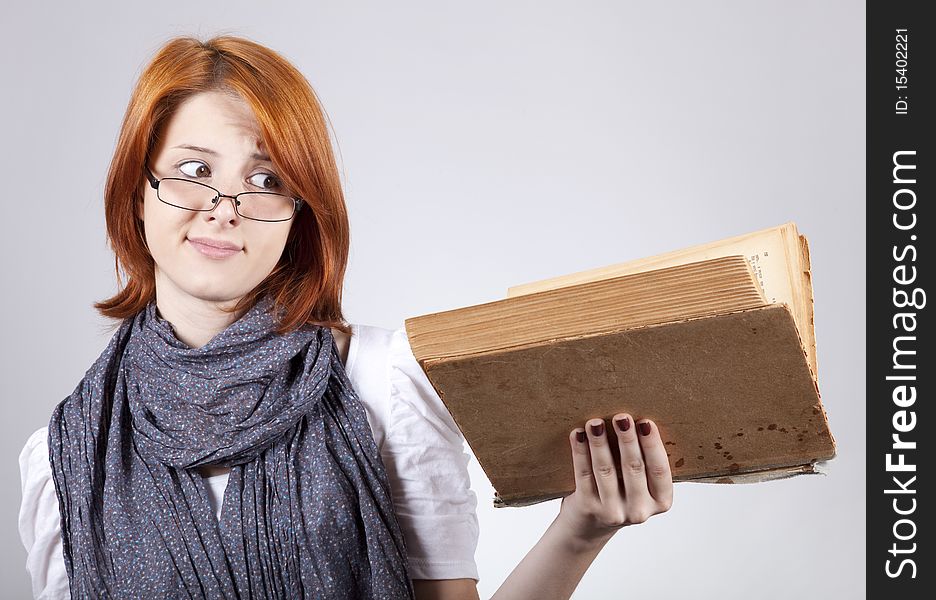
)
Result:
{"points": [[715, 343]]}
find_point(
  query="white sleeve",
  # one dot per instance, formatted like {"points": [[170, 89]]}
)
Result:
{"points": [[40, 527], [428, 469]]}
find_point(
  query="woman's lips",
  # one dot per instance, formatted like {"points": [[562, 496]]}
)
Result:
{"points": [[212, 251]]}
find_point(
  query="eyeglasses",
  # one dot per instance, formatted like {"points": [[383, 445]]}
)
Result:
{"points": [[193, 195]]}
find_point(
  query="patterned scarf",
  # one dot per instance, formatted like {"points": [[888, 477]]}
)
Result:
{"points": [[307, 512]]}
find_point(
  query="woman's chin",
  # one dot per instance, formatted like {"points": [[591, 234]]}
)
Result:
{"points": [[209, 289]]}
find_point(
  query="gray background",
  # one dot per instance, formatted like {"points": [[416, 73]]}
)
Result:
{"points": [[485, 145]]}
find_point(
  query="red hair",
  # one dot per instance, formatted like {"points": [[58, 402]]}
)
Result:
{"points": [[307, 281]]}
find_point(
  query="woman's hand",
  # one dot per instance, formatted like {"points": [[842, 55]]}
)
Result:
{"points": [[608, 495], [611, 494]]}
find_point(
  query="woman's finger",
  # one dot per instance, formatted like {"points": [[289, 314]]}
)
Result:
{"points": [[633, 468], [581, 464], [603, 464], [659, 478]]}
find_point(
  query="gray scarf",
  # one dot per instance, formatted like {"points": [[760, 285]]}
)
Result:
{"points": [[307, 512]]}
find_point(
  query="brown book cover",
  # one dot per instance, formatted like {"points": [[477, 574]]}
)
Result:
{"points": [[698, 346]]}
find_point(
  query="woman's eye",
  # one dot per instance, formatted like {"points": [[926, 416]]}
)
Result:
{"points": [[195, 168], [265, 181]]}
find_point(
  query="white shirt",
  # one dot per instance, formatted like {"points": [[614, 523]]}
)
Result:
{"points": [[419, 443]]}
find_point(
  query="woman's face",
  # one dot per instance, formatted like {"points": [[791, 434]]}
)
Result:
{"points": [[212, 138]]}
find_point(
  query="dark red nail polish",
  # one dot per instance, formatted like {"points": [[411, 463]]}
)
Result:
{"points": [[598, 430], [643, 428], [623, 424], [580, 436]]}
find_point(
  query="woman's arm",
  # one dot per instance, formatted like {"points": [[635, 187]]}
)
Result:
{"points": [[607, 497]]}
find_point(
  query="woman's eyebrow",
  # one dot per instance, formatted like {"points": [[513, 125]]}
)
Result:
{"points": [[255, 155]]}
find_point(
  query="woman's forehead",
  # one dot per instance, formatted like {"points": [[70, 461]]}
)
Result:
{"points": [[208, 119]]}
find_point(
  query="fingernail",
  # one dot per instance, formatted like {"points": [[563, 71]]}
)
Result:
{"points": [[580, 436], [598, 430], [623, 424], [643, 428]]}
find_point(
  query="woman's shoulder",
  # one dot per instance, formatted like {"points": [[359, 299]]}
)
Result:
{"points": [[36, 436], [35, 452], [403, 404], [35, 470], [372, 337], [382, 357], [374, 350]]}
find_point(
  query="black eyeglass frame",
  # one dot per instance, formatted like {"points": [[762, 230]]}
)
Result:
{"points": [[154, 183]]}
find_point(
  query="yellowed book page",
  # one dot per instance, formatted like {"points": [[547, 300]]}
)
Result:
{"points": [[775, 255]]}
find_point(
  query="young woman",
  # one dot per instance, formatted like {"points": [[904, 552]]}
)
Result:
{"points": [[237, 438]]}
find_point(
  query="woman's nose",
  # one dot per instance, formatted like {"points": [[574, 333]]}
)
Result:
{"points": [[224, 209]]}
